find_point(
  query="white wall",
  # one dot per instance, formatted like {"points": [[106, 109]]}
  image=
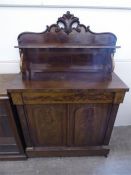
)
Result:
{"points": [[14, 20]]}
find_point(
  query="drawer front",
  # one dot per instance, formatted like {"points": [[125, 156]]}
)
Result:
{"points": [[67, 97]]}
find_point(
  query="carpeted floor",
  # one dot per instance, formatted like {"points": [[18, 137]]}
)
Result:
{"points": [[117, 163]]}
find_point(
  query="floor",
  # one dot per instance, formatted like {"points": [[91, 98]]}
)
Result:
{"points": [[117, 163]]}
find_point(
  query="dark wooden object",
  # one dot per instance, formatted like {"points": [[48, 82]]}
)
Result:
{"points": [[66, 101], [10, 144], [71, 48], [66, 116]]}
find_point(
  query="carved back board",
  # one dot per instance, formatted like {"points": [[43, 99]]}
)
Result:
{"points": [[66, 46]]}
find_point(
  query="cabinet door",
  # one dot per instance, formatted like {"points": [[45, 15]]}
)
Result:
{"points": [[7, 141], [88, 123], [10, 144], [47, 124]]}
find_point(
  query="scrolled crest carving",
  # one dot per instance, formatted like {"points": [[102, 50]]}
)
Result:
{"points": [[68, 20], [67, 23]]}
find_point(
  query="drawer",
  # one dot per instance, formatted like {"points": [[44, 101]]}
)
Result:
{"points": [[67, 97]]}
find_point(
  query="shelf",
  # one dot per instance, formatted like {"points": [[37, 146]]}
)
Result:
{"points": [[66, 47]]}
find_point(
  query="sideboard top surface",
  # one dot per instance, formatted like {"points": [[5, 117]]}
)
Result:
{"points": [[14, 82]]}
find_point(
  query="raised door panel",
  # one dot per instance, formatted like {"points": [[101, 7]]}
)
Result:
{"points": [[47, 124], [88, 123]]}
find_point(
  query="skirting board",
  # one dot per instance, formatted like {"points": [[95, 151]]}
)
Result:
{"points": [[70, 152]]}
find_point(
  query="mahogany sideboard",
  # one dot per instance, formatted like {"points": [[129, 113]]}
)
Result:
{"points": [[65, 100]]}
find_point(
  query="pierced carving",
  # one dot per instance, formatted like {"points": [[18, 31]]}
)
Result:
{"points": [[68, 20], [67, 23]]}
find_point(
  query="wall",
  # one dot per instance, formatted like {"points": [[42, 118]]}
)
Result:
{"points": [[14, 20]]}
